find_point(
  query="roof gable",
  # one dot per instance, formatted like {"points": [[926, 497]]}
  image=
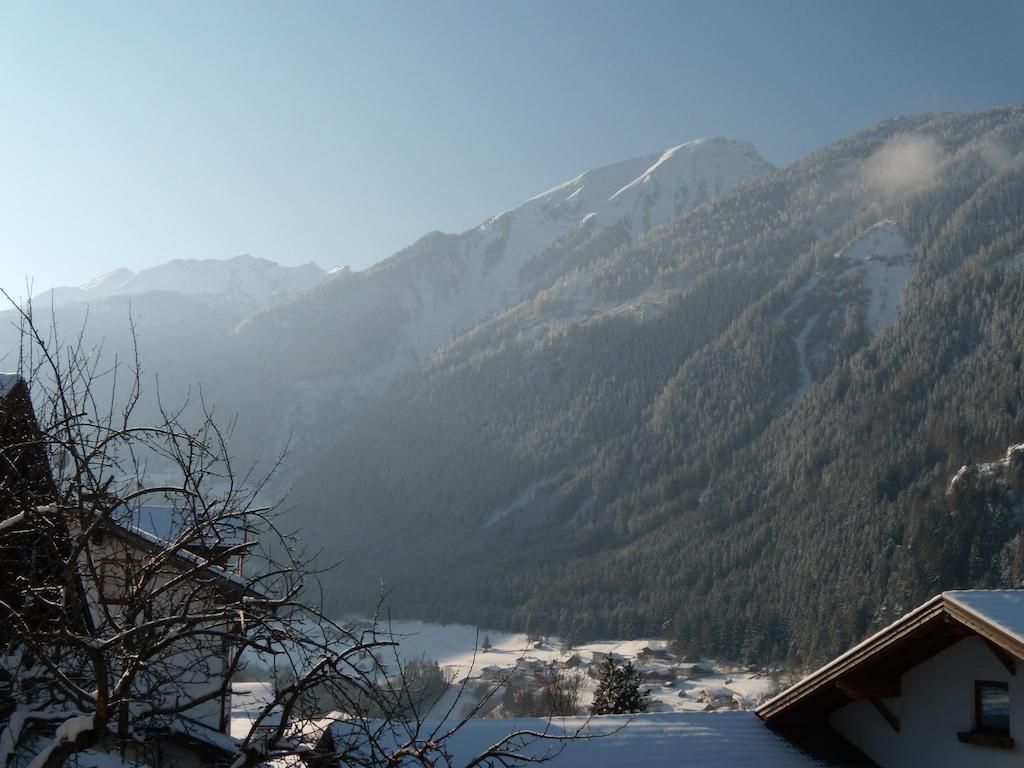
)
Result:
{"points": [[997, 616], [7, 382]]}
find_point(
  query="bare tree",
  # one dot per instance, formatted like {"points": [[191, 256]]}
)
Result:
{"points": [[120, 631], [550, 692]]}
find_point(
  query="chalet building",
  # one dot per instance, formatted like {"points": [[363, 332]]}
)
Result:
{"points": [[939, 687], [196, 737], [25, 484]]}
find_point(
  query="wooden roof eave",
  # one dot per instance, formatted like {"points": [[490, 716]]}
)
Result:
{"points": [[938, 607], [218, 574], [848, 661]]}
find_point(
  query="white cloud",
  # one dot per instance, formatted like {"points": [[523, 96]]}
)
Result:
{"points": [[903, 163], [996, 155]]}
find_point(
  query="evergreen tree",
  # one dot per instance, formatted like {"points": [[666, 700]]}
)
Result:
{"points": [[618, 691]]}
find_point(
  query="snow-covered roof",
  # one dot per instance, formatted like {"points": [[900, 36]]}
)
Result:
{"points": [[664, 740], [1002, 608], [995, 615], [7, 382], [168, 523], [249, 586]]}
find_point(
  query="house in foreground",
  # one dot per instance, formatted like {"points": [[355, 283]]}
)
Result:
{"points": [[136, 565], [939, 687]]}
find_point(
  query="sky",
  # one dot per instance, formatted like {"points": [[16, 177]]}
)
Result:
{"points": [[339, 132]]}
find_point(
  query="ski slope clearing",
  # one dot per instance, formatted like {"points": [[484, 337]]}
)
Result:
{"points": [[887, 259]]}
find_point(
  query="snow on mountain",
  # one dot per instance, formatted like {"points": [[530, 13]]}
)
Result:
{"points": [[352, 335], [887, 259], [1015, 453], [638, 194], [248, 281], [871, 271]]}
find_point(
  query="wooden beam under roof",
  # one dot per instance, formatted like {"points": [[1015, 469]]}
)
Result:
{"points": [[870, 687]]}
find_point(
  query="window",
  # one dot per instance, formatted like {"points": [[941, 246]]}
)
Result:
{"points": [[991, 716], [116, 580], [992, 708]]}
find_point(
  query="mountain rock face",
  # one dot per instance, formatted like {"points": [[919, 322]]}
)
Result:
{"points": [[726, 430]]}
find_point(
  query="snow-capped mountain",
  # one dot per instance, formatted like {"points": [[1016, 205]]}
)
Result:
{"points": [[351, 336], [249, 282], [644, 192], [636, 195], [399, 311]]}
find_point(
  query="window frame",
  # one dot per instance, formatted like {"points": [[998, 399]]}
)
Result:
{"points": [[979, 726], [987, 737], [114, 589]]}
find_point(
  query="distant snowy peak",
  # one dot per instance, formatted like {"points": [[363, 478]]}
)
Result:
{"points": [[245, 279], [457, 281], [107, 283], [646, 191]]}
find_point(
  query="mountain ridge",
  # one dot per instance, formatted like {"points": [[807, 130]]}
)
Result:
{"points": [[624, 472], [259, 282]]}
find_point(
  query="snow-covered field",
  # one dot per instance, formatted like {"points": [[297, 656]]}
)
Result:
{"points": [[675, 685], [692, 709], [456, 648]]}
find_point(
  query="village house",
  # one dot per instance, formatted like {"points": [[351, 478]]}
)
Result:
{"points": [[210, 562], [647, 653], [939, 687]]}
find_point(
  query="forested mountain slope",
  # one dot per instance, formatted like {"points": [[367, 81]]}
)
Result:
{"points": [[738, 431], [292, 351]]}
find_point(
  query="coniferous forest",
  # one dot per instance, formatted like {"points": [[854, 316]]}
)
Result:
{"points": [[696, 458]]}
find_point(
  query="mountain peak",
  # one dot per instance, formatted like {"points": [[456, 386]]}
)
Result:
{"points": [[255, 281]]}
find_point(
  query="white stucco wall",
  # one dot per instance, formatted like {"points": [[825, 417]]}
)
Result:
{"points": [[937, 702], [196, 665]]}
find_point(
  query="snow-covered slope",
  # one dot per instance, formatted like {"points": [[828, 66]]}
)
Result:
{"points": [[870, 272], [886, 258], [666, 740], [642, 193], [246, 280], [483, 269], [348, 338]]}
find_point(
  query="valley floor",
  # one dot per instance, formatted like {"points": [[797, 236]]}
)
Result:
{"points": [[675, 684]]}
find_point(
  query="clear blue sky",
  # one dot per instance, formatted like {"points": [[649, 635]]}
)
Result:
{"points": [[134, 133]]}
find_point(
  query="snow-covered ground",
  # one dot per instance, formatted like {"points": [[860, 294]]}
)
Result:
{"points": [[725, 739], [675, 685], [457, 649], [692, 720], [989, 468], [887, 259]]}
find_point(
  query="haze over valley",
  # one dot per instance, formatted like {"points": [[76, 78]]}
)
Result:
{"points": [[596, 408]]}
